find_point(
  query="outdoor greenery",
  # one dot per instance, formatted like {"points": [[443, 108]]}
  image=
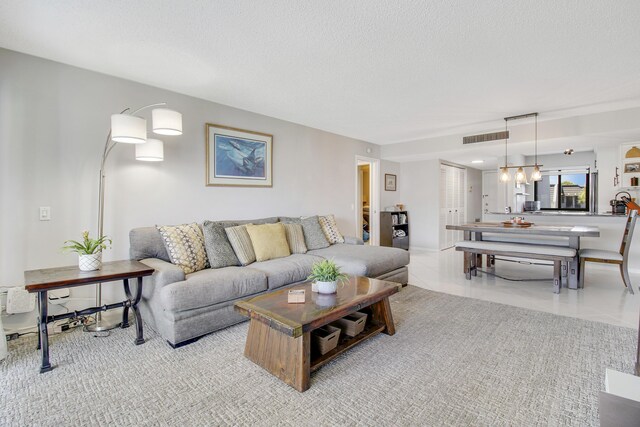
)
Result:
{"points": [[88, 245], [326, 271]]}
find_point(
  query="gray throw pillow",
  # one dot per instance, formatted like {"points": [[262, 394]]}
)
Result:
{"points": [[216, 242], [290, 220], [314, 237]]}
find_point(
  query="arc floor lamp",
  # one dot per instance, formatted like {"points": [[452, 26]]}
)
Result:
{"points": [[127, 128]]}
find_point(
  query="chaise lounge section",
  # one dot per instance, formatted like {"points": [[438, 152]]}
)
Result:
{"points": [[184, 307]]}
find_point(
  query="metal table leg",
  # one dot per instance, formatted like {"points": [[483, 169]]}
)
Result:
{"points": [[574, 264], [132, 302], [43, 334], [467, 257]]}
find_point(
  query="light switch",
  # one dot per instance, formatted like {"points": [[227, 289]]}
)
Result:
{"points": [[45, 213]]}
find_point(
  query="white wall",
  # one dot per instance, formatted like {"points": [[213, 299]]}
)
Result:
{"points": [[608, 160], [53, 123], [420, 190], [390, 198]]}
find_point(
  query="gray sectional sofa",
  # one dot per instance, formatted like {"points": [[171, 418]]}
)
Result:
{"points": [[183, 307]]}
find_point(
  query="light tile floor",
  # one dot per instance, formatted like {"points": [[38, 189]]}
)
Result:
{"points": [[603, 299]]}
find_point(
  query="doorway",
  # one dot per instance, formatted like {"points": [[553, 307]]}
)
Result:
{"points": [[453, 203], [367, 204]]}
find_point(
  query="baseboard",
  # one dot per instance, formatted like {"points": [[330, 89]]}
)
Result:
{"points": [[421, 248]]}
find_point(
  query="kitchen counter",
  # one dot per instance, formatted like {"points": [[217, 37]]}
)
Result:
{"points": [[558, 213]]}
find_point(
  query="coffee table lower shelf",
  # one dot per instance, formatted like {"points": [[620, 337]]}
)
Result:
{"points": [[345, 344]]}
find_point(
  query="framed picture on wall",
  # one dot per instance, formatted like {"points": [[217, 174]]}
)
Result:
{"points": [[632, 167], [389, 182], [238, 157]]}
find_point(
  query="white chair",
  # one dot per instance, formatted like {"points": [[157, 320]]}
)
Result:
{"points": [[620, 258]]}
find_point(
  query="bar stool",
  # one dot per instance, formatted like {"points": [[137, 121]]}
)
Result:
{"points": [[620, 258]]}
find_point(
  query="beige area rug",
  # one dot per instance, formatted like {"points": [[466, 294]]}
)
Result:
{"points": [[453, 361]]}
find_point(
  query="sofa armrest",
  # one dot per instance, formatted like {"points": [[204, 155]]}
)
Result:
{"points": [[165, 272], [352, 240]]}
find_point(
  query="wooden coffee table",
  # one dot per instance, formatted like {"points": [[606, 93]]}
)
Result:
{"points": [[279, 337]]}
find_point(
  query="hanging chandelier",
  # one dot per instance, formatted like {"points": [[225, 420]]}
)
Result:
{"points": [[521, 175]]}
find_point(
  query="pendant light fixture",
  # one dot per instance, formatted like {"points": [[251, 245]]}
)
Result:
{"points": [[504, 171], [536, 175], [521, 175]]}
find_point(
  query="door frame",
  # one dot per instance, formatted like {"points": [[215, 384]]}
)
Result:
{"points": [[374, 199]]}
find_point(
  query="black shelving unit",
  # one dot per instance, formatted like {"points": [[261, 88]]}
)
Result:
{"points": [[392, 227]]}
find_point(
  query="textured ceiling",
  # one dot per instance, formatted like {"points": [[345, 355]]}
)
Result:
{"points": [[382, 71]]}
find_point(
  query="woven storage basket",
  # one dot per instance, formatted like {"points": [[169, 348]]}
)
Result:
{"points": [[352, 324], [326, 338]]}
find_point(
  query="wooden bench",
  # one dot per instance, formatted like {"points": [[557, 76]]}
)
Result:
{"points": [[557, 254]]}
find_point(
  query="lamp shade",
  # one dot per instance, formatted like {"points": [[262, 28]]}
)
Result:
{"points": [[536, 175], [150, 151], [128, 129], [521, 176], [166, 122], [504, 174]]}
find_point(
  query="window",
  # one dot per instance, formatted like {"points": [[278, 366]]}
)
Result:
{"points": [[563, 190]]}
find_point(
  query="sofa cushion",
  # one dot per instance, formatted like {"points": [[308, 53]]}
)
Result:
{"points": [[216, 242], [146, 242], [269, 241], [313, 235], [241, 243], [212, 286], [364, 260], [284, 271], [295, 238], [330, 229], [185, 246]]}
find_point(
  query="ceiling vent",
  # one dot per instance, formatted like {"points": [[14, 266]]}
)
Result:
{"points": [[473, 139]]}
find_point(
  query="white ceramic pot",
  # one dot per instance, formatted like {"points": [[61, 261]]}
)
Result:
{"points": [[327, 287], [90, 262]]}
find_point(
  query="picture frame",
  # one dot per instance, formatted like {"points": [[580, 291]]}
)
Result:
{"points": [[238, 157], [632, 167], [390, 182]]}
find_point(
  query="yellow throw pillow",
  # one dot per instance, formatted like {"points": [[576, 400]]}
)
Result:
{"points": [[269, 241]]}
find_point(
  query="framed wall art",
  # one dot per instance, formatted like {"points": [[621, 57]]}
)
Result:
{"points": [[238, 157], [389, 182], [632, 167]]}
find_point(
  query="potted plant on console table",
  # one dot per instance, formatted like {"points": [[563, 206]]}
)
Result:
{"points": [[89, 251], [326, 275]]}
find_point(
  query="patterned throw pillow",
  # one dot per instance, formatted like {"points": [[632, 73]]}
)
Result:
{"points": [[241, 243], [330, 228], [216, 242], [295, 238], [185, 246], [269, 241]]}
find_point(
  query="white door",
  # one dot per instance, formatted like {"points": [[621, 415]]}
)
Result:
{"points": [[452, 203]]}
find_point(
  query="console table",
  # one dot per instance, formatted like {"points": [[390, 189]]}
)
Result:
{"points": [[42, 281]]}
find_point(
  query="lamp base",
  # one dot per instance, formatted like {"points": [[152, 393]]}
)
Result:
{"points": [[105, 321]]}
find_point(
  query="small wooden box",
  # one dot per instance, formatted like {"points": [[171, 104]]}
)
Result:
{"points": [[296, 296], [326, 338], [352, 324]]}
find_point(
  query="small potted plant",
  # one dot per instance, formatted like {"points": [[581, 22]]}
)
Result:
{"points": [[326, 275], [89, 251]]}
